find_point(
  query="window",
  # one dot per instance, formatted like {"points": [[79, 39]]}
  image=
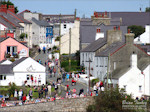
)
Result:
{"points": [[65, 26], [97, 62], [140, 88], [28, 77], [2, 77], [125, 87], [83, 56], [114, 65]]}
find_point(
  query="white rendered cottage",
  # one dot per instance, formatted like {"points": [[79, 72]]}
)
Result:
{"points": [[21, 71], [133, 81]]}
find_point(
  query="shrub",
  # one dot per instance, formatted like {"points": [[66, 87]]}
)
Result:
{"points": [[94, 81], [110, 100]]}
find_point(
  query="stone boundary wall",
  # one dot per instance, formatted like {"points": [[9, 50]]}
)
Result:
{"points": [[65, 105]]}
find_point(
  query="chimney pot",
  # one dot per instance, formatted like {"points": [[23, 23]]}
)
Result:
{"points": [[118, 27], [114, 27], [128, 30]]}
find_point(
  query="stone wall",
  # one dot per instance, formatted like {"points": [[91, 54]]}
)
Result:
{"points": [[65, 105]]}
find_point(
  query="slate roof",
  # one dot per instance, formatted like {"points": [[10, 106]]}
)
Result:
{"points": [[110, 49], [18, 61], [41, 23], [95, 45], [8, 69], [131, 18], [88, 32]]}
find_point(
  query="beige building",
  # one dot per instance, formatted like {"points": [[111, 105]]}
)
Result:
{"points": [[64, 46]]}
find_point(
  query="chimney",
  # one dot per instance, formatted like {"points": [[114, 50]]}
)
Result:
{"points": [[3, 8], [114, 27], [11, 8], [118, 27], [98, 30], [129, 37], [105, 13], [133, 60], [99, 34]]}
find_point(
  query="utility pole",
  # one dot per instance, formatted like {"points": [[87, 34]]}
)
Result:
{"points": [[59, 42], [75, 14], [69, 49], [59, 33], [89, 73], [108, 71]]}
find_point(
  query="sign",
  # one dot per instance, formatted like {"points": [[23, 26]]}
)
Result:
{"points": [[30, 69]]}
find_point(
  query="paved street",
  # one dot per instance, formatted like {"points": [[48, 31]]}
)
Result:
{"points": [[43, 57]]}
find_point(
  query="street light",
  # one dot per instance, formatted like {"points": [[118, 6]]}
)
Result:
{"points": [[89, 74]]}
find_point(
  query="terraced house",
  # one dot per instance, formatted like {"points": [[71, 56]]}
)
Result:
{"points": [[13, 26]]}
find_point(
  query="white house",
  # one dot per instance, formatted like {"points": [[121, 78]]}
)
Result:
{"points": [[64, 48], [133, 81], [145, 37], [21, 71], [146, 73]]}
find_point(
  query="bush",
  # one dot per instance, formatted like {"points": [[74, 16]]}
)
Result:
{"points": [[57, 38], [94, 81], [109, 101]]}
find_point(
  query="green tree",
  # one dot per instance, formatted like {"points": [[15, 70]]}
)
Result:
{"points": [[23, 35], [137, 30], [110, 100], [9, 3], [147, 9]]}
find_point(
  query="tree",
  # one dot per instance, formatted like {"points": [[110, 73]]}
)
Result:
{"points": [[9, 3], [110, 100], [147, 9], [137, 30], [23, 35]]}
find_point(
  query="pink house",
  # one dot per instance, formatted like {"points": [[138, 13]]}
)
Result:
{"points": [[10, 47]]}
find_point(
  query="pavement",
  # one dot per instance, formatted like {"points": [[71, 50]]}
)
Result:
{"points": [[43, 57]]}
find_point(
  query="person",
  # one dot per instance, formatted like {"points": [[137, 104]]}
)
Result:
{"points": [[32, 79], [30, 93], [44, 49], [39, 80], [56, 87], [24, 99], [46, 90], [81, 91], [35, 80], [54, 70], [49, 89], [39, 92], [40, 61], [67, 76], [15, 94], [73, 82], [95, 89], [20, 94], [39, 50], [64, 76], [74, 90]]}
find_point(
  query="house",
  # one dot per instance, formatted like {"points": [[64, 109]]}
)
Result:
{"points": [[67, 22], [21, 71], [102, 37], [64, 42], [111, 54], [144, 40], [127, 18], [10, 47], [42, 31], [134, 81], [13, 25]]}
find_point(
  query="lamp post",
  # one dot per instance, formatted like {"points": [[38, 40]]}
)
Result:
{"points": [[89, 74]]}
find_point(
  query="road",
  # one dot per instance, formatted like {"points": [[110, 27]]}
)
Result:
{"points": [[43, 57]]}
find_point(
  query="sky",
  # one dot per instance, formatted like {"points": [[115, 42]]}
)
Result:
{"points": [[84, 7]]}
